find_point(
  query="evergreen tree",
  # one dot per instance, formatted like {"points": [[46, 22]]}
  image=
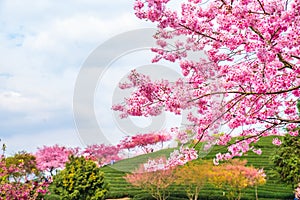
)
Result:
{"points": [[81, 179], [287, 159]]}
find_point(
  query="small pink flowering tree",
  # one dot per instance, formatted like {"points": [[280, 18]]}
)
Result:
{"points": [[145, 142], [51, 158], [248, 80], [154, 180], [102, 154], [19, 178], [158, 174]]}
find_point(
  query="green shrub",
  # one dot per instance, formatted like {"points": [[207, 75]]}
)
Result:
{"points": [[287, 160], [52, 197], [81, 179]]}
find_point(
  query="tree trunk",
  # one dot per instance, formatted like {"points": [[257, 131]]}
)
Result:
{"points": [[256, 195], [196, 193]]}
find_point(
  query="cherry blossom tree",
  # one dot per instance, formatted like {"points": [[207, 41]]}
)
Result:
{"points": [[19, 178], [145, 141], [51, 158], [102, 154], [248, 82], [155, 182]]}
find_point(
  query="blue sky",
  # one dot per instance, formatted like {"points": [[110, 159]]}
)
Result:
{"points": [[44, 44]]}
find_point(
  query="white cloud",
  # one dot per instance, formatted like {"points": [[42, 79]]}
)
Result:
{"points": [[43, 45], [14, 101], [79, 29]]}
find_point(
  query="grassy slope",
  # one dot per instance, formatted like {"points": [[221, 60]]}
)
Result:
{"points": [[272, 190]]}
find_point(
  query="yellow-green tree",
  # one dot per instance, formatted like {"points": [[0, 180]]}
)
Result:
{"points": [[24, 160], [20, 178], [81, 179], [235, 176], [193, 177]]}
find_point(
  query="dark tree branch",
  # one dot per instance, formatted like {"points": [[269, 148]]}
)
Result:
{"points": [[258, 13], [273, 35], [257, 32], [285, 63], [297, 57], [258, 135], [286, 120], [219, 117], [202, 34], [249, 93], [262, 7]]}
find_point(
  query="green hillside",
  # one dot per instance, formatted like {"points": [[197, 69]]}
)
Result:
{"points": [[273, 189]]}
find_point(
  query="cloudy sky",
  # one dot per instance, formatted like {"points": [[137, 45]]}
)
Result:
{"points": [[43, 45]]}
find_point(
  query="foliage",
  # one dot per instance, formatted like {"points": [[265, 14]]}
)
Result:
{"points": [[286, 159], [155, 182], [19, 178], [273, 189], [26, 161], [234, 176], [51, 158], [81, 179], [193, 176], [102, 154], [245, 75]]}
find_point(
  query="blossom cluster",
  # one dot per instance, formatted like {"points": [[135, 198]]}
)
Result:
{"points": [[248, 81], [16, 184], [146, 141], [53, 158], [178, 157]]}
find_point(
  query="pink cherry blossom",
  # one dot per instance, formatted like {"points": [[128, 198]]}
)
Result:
{"points": [[181, 156], [178, 157], [102, 154], [248, 83], [257, 151], [148, 142], [276, 142], [155, 164], [51, 158], [20, 186]]}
